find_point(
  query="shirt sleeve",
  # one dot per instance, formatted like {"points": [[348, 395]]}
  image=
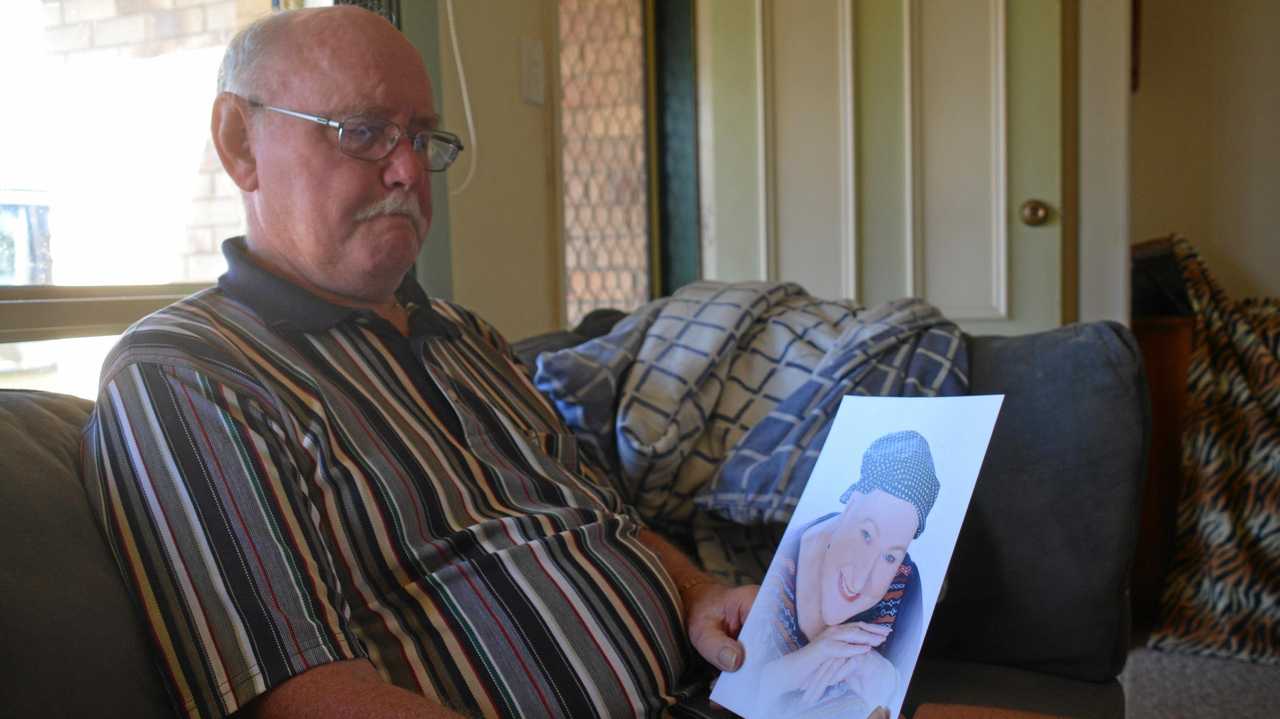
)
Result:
{"points": [[211, 523]]}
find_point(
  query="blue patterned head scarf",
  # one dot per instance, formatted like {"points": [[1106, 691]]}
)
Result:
{"points": [[901, 465]]}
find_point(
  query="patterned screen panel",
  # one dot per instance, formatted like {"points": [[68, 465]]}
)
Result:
{"points": [[602, 121]]}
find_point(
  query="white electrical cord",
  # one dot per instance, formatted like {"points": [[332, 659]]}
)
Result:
{"points": [[473, 149]]}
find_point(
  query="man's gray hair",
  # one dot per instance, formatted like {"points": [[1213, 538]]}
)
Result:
{"points": [[242, 66]]}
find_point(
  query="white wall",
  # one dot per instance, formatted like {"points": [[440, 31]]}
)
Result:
{"points": [[506, 254], [735, 213], [1105, 138], [1206, 149]]}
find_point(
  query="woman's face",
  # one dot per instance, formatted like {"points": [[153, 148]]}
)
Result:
{"points": [[868, 545]]}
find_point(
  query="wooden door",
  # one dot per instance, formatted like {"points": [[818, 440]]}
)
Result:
{"points": [[897, 141]]}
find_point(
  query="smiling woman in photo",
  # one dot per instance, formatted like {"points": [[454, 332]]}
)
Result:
{"points": [[848, 592]]}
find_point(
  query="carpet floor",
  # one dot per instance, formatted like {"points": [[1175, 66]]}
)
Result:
{"points": [[1161, 685]]}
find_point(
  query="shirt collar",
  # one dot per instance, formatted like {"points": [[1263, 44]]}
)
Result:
{"points": [[286, 306]]}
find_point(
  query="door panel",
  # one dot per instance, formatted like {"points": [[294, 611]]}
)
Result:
{"points": [[735, 200], [959, 240], [1035, 167], [811, 118], [903, 136]]}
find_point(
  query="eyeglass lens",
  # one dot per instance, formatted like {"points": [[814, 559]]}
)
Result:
{"points": [[373, 139]]}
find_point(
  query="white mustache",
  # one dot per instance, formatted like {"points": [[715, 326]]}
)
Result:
{"points": [[397, 203]]}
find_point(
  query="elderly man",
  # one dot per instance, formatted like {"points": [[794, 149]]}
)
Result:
{"points": [[334, 496]]}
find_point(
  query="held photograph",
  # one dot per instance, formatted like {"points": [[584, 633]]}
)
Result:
{"points": [[841, 615]]}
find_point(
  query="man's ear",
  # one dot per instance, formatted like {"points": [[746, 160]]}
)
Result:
{"points": [[231, 140]]}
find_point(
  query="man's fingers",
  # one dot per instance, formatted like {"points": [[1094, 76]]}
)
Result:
{"points": [[716, 621], [729, 657], [733, 623], [709, 638], [737, 605]]}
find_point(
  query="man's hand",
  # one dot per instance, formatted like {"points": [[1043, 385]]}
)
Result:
{"points": [[715, 614]]}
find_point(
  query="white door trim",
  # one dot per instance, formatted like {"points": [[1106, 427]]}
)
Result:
{"points": [[846, 33], [1104, 161], [914, 208], [766, 242], [706, 142]]}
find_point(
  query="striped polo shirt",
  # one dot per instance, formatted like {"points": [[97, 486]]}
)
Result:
{"points": [[286, 482]]}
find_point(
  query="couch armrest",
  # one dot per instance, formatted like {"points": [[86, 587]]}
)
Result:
{"points": [[73, 642], [1040, 575]]}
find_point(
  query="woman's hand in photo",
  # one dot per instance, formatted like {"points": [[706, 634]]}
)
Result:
{"points": [[872, 676], [835, 640], [828, 674], [839, 642], [836, 655]]}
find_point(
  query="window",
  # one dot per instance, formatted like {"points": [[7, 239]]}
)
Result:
{"points": [[24, 239], [112, 199], [602, 155]]}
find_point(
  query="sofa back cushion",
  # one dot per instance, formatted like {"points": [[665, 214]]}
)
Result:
{"points": [[1040, 574], [72, 641]]}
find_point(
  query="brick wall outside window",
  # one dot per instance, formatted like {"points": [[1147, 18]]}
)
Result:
{"points": [[85, 31]]}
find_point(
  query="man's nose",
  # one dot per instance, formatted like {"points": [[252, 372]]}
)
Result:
{"points": [[405, 168]]}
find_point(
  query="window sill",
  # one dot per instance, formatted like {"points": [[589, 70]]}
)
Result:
{"points": [[44, 312]]}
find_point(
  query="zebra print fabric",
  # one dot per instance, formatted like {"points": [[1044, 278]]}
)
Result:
{"points": [[1222, 593]]}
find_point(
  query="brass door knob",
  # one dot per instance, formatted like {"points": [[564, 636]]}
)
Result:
{"points": [[1035, 213]]}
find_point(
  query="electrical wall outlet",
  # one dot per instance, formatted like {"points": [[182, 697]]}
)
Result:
{"points": [[533, 71]]}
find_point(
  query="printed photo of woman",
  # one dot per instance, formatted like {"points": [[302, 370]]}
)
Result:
{"points": [[847, 599]]}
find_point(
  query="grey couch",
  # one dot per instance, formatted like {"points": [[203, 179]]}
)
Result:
{"points": [[1035, 616]]}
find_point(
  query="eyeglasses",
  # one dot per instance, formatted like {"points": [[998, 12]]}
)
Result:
{"points": [[372, 138]]}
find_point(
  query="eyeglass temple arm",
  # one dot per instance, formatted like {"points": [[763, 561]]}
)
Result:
{"points": [[302, 115]]}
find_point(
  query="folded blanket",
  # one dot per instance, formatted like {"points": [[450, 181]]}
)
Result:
{"points": [[1220, 596], [719, 397]]}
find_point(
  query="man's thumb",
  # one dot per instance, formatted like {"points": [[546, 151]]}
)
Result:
{"points": [[729, 658]]}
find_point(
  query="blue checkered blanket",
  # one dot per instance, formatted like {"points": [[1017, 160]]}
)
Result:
{"points": [[709, 407]]}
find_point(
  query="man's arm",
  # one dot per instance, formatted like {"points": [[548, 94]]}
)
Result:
{"points": [[714, 612], [343, 690], [193, 479]]}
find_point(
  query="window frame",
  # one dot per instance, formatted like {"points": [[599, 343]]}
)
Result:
{"points": [[32, 313]]}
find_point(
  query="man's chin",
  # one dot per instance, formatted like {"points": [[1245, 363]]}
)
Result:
{"points": [[396, 224], [393, 236]]}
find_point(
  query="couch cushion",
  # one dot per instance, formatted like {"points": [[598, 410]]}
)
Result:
{"points": [[73, 645], [1040, 574]]}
